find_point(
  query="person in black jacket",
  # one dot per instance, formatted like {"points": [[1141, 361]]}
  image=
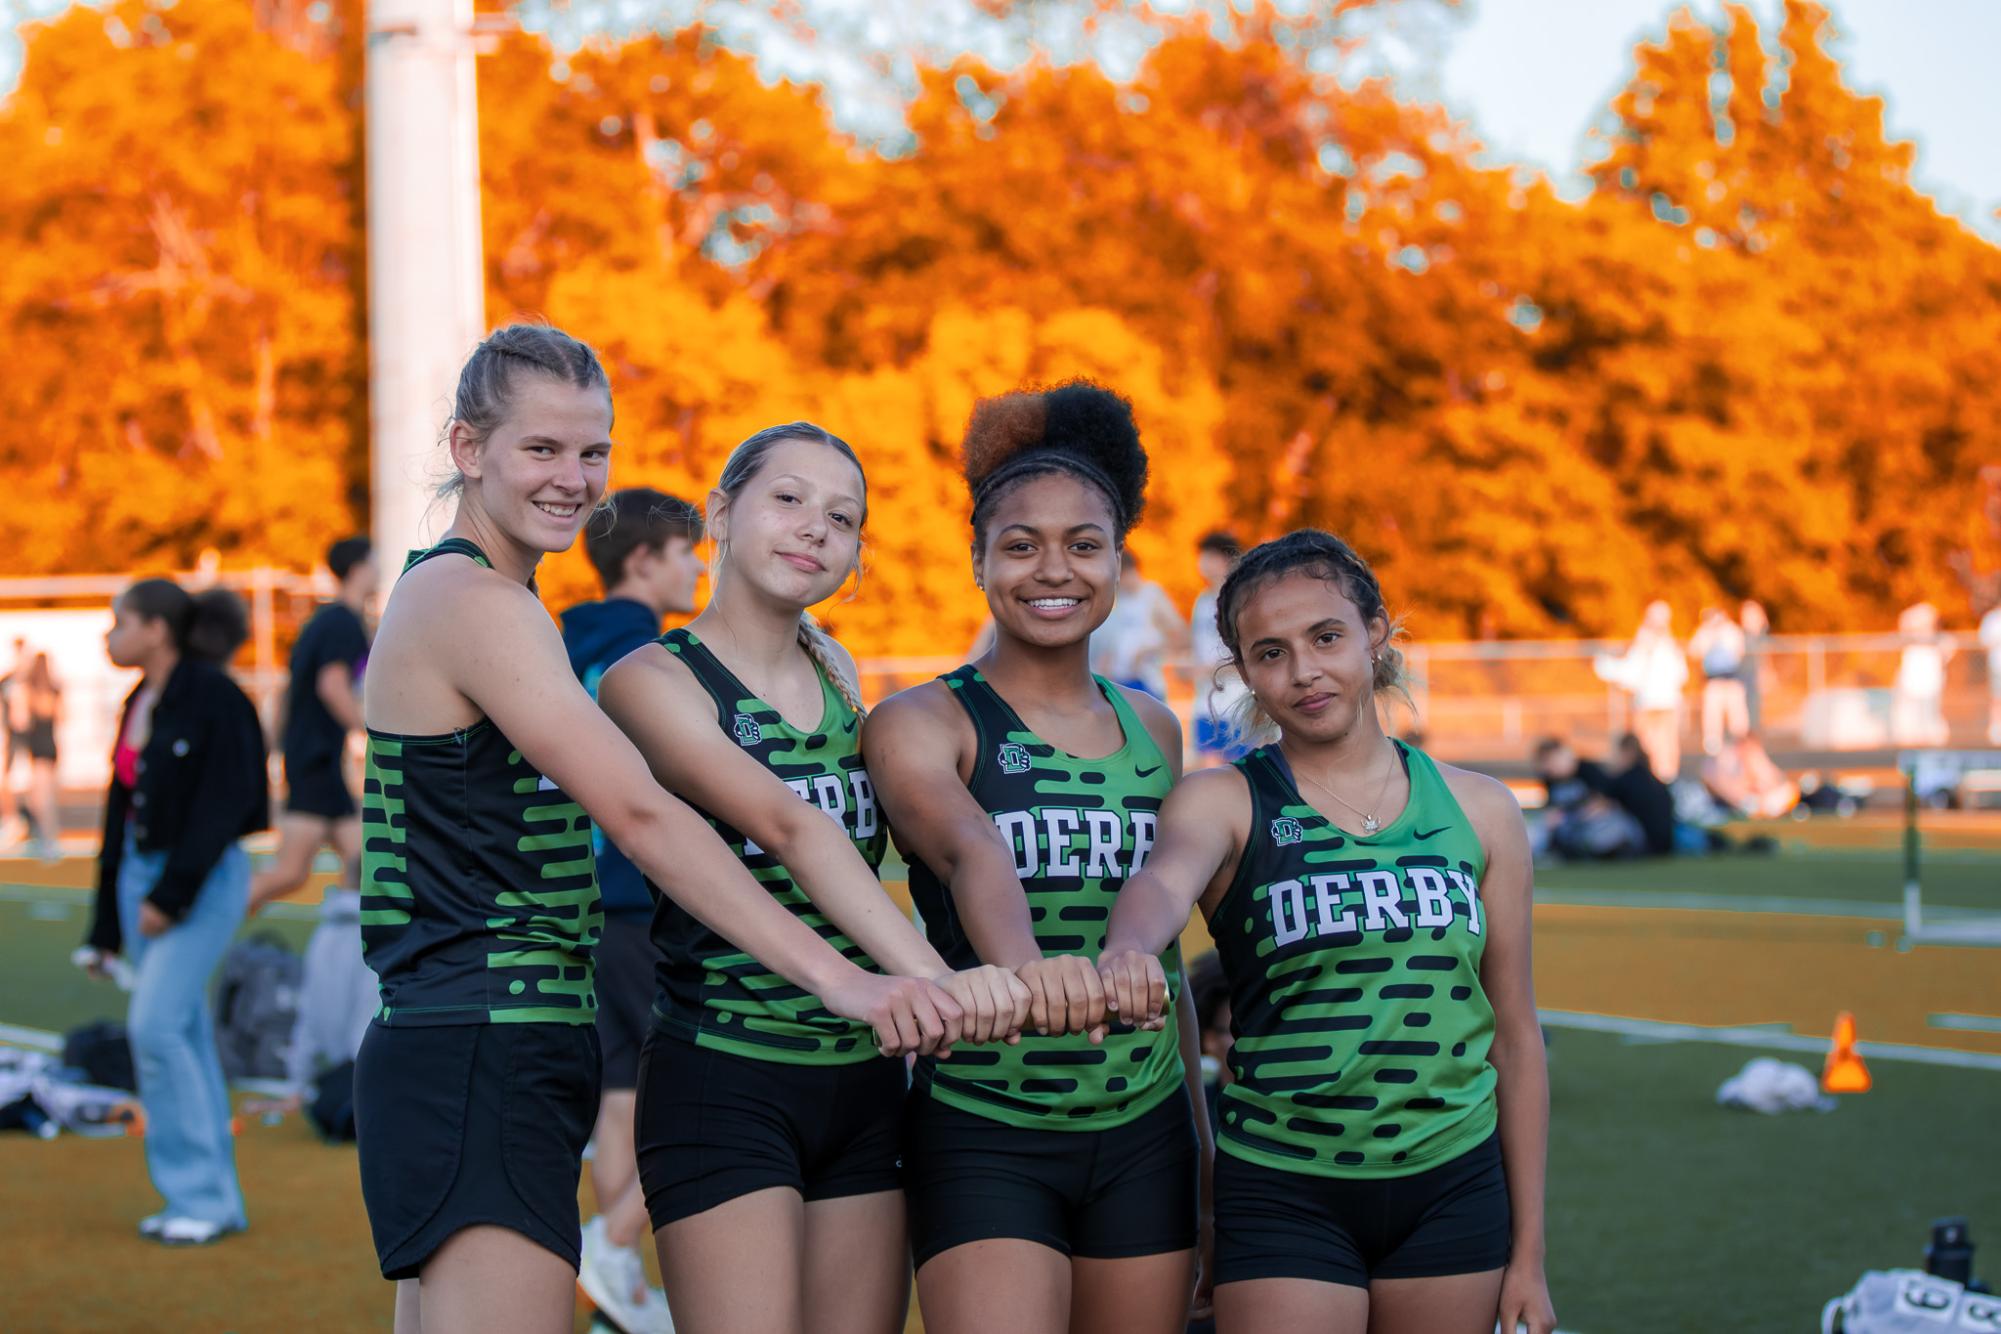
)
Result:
{"points": [[188, 781]]}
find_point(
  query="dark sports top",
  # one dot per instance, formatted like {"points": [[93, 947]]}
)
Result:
{"points": [[333, 635], [1078, 828], [1354, 970], [714, 994], [479, 892]]}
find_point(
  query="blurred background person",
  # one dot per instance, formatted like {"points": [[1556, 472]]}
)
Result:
{"points": [[1745, 778], [1634, 786], [1718, 645], [1917, 714], [14, 742], [188, 781], [1132, 645], [40, 699], [1654, 670], [1990, 639], [1218, 688], [1581, 821], [1757, 628], [642, 545]]}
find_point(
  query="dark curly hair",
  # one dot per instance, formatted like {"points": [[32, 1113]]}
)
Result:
{"points": [[1323, 556], [1077, 427]]}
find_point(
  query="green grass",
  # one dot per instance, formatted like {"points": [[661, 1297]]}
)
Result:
{"points": [[1668, 1213]]}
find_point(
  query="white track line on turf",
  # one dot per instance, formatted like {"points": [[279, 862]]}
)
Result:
{"points": [[1771, 1037], [1969, 1023], [1765, 903], [294, 912]]}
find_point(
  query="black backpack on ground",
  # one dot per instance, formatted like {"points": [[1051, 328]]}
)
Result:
{"points": [[256, 1001], [332, 1108], [101, 1051]]}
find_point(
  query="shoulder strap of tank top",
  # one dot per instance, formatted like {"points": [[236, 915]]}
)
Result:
{"points": [[984, 706], [718, 680], [1139, 737], [451, 546]]}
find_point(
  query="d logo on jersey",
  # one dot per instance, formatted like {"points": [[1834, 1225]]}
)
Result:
{"points": [[1013, 758], [1286, 831], [748, 733]]}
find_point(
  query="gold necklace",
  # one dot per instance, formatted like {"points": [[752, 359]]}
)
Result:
{"points": [[1370, 824]]}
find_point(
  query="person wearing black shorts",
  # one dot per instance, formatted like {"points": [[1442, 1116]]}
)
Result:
{"points": [[767, 1125], [1382, 1140], [641, 542], [322, 705], [1054, 1185]]}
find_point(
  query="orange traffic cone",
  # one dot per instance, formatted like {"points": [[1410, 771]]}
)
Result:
{"points": [[1844, 1071]]}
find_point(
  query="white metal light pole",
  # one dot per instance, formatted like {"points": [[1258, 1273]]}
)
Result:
{"points": [[426, 304]]}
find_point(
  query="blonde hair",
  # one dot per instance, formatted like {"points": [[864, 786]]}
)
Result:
{"points": [[744, 463]]}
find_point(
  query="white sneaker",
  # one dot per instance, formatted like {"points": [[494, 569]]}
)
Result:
{"points": [[190, 1232], [610, 1275], [149, 1226]]}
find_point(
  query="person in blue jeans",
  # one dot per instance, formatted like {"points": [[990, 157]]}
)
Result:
{"points": [[188, 781]]}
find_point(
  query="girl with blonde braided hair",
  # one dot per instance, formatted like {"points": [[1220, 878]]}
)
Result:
{"points": [[767, 1127]]}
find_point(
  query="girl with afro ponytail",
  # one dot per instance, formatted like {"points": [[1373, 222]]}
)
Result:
{"points": [[1053, 1184], [1384, 1134]]}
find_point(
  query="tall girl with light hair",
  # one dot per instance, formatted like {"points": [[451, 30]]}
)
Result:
{"points": [[488, 763], [767, 1127]]}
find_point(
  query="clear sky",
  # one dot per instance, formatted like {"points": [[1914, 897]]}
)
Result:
{"points": [[1533, 74]]}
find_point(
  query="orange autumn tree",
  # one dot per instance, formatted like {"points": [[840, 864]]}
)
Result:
{"points": [[1754, 362], [179, 310]]}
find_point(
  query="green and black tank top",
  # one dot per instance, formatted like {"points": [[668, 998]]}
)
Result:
{"points": [[479, 890], [1354, 970], [714, 994], [1078, 828]]}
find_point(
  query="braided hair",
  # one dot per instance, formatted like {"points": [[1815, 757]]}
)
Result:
{"points": [[743, 464], [1320, 555], [491, 379], [1079, 428]]}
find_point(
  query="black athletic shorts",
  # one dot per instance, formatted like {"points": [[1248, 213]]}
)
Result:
{"points": [[1449, 1219], [318, 787], [1101, 1194], [473, 1123], [625, 957], [713, 1126]]}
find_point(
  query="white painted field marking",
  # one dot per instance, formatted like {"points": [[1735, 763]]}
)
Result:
{"points": [[1772, 1037]]}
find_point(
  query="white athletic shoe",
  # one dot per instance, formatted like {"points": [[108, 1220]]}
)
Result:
{"points": [[149, 1226], [609, 1275], [190, 1232]]}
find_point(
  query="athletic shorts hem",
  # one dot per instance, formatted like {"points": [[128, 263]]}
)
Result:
{"points": [[1475, 1264], [318, 788], [941, 1245], [395, 1266]]}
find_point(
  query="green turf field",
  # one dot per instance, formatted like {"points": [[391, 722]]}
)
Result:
{"points": [[1665, 1212]]}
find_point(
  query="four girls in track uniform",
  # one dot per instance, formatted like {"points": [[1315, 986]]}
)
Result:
{"points": [[1383, 1141]]}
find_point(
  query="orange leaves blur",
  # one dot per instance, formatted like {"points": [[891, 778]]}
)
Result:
{"points": [[1753, 363]]}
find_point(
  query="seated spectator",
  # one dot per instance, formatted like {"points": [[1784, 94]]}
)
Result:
{"points": [[1642, 795], [1581, 819], [1746, 779]]}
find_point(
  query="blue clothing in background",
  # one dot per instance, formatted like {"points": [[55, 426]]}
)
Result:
{"points": [[598, 634]]}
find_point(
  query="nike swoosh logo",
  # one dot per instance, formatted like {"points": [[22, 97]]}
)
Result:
{"points": [[1429, 833], [1146, 773]]}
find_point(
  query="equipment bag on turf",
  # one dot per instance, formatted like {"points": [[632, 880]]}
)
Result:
{"points": [[101, 1051], [332, 1107], [256, 1002], [1910, 1301]]}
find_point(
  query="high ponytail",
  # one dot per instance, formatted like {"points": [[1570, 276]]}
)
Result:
{"points": [[210, 625]]}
